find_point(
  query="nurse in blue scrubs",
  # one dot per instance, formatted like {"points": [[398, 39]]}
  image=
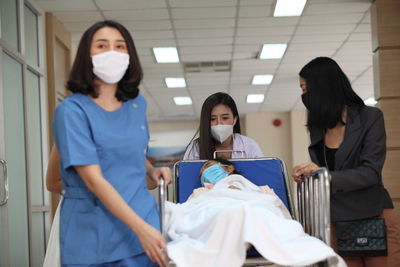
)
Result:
{"points": [[108, 217]]}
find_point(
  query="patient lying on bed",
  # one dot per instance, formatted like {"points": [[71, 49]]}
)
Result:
{"points": [[215, 170], [219, 221], [224, 173]]}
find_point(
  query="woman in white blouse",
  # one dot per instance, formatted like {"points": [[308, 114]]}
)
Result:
{"points": [[220, 131]]}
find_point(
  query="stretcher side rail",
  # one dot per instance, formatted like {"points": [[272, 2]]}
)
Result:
{"points": [[313, 198]]}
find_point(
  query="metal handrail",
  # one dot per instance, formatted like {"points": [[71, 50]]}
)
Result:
{"points": [[162, 198], [228, 150], [5, 178], [314, 205]]}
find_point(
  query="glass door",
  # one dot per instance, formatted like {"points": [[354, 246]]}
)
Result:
{"points": [[24, 209], [14, 216]]}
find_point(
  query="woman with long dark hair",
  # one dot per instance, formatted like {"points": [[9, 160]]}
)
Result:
{"points": [[220, 130], [108, 217], [349, 139]]}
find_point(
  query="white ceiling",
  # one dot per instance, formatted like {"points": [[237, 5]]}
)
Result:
{"points": [[234, 30]]}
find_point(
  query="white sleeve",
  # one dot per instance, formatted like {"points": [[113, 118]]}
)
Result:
{"points": [[252, 149], [192, 152]]}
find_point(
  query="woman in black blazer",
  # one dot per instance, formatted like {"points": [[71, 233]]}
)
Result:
{"points": [[349, 139]]}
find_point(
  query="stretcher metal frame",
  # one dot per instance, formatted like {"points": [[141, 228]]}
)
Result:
{"points": [[313, 198], [312, 209]]}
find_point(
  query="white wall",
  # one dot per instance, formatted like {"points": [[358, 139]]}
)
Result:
{"points": [[274, 141], [172, 133], [288, 141]]}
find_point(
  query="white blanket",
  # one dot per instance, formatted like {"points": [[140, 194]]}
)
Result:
{"points": [[215, 228]]}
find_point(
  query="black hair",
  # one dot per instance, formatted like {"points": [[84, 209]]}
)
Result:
{"points": [[328, 93], [205, 141], [81, 78]]}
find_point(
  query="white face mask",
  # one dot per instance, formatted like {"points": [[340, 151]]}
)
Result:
{"points": [[110, 66], [221, 132]]}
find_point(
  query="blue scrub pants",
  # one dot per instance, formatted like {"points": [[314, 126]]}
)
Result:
{"points": [[141, 260]]}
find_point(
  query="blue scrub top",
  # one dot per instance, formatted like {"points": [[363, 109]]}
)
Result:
{"points": [[87, 134]]}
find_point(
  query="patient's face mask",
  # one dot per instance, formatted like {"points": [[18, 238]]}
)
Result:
{"points": [[213, 174], [221, 132], [110, 66]]}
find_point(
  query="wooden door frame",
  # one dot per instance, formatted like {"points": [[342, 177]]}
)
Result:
{"points": [[55, 33]]}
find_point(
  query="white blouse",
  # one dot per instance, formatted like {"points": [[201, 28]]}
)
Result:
{"points": [[240, 143]]}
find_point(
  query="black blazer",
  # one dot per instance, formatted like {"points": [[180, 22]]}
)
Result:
{"points": [[357, 190]]}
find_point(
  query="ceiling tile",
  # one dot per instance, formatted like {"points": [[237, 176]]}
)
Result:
{"points": [[324, 19], [205, 41], [257, 2], [206, 57], [221, 80], [203, 13], [153, 42], [202, 3], [204, 23], [367, 18], [255, 11], [317, 38], [244, 56], [267, 31], [364, 36], [140, 14], [315, 46], [248, 48], [325, 29], [268, 22], [363, 28], [78, 26], [337, 8], [143, 35], [183, 50], [130, 4], [70, 5], [307, 55], [254, 64], [208, 33], [202, 92], [147, 25], [78, 16], [262, 39]]}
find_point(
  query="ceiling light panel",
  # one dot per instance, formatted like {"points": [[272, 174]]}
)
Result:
{"points": [[255, 98], [173, 82], [271, 51], [182, 100], [166, 54], [289, 8], [262, 79]]}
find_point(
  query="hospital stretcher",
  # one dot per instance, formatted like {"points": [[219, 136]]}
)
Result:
{"points": [[311, 210]]}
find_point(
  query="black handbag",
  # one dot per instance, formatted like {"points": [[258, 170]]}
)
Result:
{"points": [[362, 237]]}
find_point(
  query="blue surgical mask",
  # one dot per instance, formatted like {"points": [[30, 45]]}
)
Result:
{"points": [[213, 174]]}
